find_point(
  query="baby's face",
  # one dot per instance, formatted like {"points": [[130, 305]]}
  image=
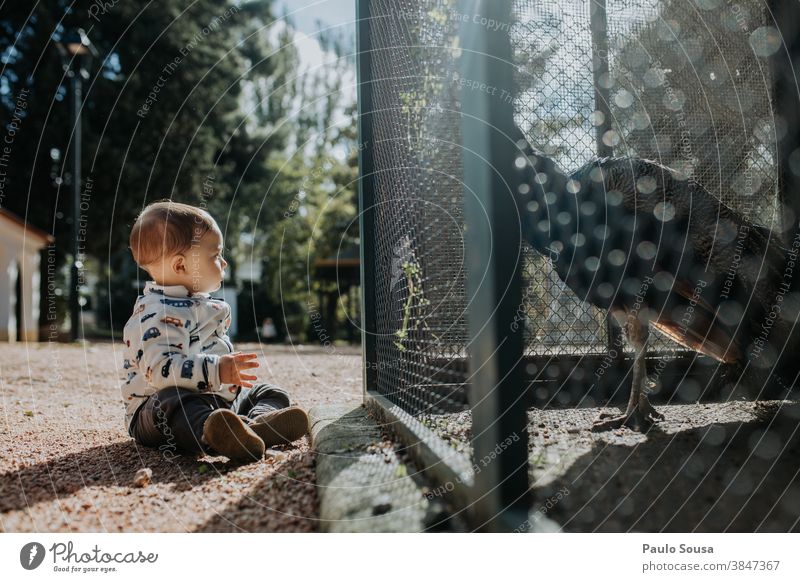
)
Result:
{"points": [[204, 262]]}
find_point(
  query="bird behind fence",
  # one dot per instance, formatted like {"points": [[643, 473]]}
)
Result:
{"points": [[656, 250]]}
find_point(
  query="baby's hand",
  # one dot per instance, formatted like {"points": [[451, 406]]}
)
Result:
{"points": [[232, 366]]}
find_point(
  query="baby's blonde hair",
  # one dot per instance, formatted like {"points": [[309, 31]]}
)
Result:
{"points": [[165, 228]]}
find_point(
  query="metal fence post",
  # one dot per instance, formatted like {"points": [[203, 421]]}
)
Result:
{"points": [[785, 69], [599, 26], [366, 194], [499, 416]]}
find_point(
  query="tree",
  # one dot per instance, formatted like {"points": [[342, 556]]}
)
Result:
{"points": [[200, 103], [162, 115]]}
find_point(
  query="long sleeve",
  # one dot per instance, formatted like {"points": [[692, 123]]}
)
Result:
{"points": [[174, 339], [219, 342], [164, 359]]}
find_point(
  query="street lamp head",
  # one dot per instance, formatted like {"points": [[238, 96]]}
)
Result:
{"points": [[76, 51], [73, 43], [76, 48]]}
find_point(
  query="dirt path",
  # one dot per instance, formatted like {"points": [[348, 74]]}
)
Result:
{"points": [[67, 464]]}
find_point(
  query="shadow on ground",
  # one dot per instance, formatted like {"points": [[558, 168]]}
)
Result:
{"points": [[107, 465], [736, 476], [708, 467], [251, 512]]}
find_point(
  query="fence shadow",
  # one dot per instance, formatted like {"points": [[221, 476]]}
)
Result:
{"points": [[734, 477]]}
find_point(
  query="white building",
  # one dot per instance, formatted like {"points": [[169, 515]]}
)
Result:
{"points": [[20, 253]]}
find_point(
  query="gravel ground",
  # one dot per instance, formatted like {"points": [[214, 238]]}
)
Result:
{"points": [[67, 464], [712, 467]]}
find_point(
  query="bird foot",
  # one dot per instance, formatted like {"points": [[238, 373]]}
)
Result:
{"points": [[640, 418], [610, 422], [648, 411]]}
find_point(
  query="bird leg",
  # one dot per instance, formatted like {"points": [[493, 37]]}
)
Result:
{"points": [[639, 414]]}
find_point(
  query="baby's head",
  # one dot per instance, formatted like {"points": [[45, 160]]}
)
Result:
{"points": [[178, 244]]}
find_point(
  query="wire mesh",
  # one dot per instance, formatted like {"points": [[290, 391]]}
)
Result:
{"points": [[686, 85], [688, 89], [420, 298], [677, 81], [554, 105]]}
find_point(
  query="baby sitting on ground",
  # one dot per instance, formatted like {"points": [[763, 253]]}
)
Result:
{"points": [[187, 390]]}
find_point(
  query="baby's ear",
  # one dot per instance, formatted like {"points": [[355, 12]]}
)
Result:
{"points": [[178, 264]]}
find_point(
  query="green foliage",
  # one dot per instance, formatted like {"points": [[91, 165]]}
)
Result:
{"points": [[310, 209], [201, 103], [415, 299]]}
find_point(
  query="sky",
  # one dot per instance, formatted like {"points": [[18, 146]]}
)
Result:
{"points": [[306, 13], [307, 17]]}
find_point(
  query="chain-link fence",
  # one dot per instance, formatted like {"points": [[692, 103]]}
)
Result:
{"points": [[412, 205], [681, 83], [687, 84], [418, 243]]}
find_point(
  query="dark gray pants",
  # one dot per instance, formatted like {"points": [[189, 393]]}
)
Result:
{"points": [[172, 419]]}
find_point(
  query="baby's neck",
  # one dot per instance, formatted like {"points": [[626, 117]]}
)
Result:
{"points": [[190, 286]]}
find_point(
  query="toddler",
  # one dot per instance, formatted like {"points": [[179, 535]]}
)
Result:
{"points": [[187, 390]]}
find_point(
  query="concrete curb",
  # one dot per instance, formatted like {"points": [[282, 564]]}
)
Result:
{"points": [[361, 484]]}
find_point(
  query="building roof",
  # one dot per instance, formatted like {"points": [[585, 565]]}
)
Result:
{"points": [[345, 263], [26, 228]]}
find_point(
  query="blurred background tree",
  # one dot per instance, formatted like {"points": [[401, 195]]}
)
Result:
{"points": [[207, 104]]}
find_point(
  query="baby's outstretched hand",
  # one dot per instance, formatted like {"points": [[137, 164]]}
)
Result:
{"points": [[232, 367]]}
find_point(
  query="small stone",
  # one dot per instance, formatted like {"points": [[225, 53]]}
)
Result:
{"points": [[382, 505], [276, 456], [143, 477]]}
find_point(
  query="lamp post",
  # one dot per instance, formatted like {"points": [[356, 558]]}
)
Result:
{"points": [[76, 53]]}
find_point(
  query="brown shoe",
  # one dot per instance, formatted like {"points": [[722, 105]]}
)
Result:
{"points": [[228, 435], [282, 426]]}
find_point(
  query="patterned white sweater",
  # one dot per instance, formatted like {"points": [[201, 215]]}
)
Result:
{"points": [[174, 338]]}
